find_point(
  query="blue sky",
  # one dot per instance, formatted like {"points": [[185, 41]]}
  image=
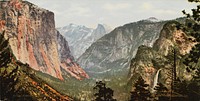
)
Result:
{"points": [[112, 12]]}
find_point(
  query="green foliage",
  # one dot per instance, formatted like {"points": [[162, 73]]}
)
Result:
{"points": [[194, 87], [8, 74], [7, 84], [180, 87], [192, 61], [160, 89], [5, 54], [183, 91], [141, 92], [161, 92], [19, 83], [104, 93], [191, 90], [196, 77], [187, 91], [192, 27]]}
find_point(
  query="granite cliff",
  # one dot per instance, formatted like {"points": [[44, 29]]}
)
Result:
{"points": [[108, 59], [155, 63], [113, 52], [19, 82], [34, 39]]}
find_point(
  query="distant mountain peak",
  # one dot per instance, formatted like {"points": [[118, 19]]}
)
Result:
{"points": [[152, 19], [72, 24], [80, 37], [100, 25], [106, 27]]}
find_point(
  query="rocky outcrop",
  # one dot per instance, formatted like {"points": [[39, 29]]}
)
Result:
{"points": [[19, 81], [114, 51], [70, 67], [155, 64], [32, 36], [81, 37]]}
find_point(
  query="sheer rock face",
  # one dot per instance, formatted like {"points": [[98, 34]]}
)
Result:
{"points": [[67, 60], [113, 52], [32, 35], [161, 56]]}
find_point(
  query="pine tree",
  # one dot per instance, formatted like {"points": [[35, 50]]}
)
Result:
{"points": [[192, 61], [194, 87], [180, 87], [8, 82], [5, 54], [193, 0], [192, 28], [141, 92], [161, 92], [103, 93]]}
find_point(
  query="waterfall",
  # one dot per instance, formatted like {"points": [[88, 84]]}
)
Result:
{"points": [[155, 81]]}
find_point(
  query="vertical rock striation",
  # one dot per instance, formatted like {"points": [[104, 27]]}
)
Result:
{"points": [[114, 51], [67, 60], [149, 62], [32, 35]]}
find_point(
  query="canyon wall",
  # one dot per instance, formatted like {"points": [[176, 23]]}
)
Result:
{"points": [[33, 37]]}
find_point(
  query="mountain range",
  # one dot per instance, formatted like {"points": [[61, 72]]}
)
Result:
{"points": [[46, 63], [81, 37], [114, 51]]}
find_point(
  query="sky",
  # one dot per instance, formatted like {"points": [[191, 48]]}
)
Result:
{"points": [[112, 12]]}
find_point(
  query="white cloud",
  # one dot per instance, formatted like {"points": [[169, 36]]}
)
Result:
{"points": [[116, 6]]}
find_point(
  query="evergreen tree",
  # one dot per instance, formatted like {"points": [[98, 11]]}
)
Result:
{"points": [[5, 54], [103, 93], [180, 87], [192, 28], [141, 92], [8, 82], [193, 0], [161, 92], [194, 87], [192, 61]]}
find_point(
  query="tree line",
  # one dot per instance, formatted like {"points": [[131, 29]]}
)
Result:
{"points": [[182, 90]]}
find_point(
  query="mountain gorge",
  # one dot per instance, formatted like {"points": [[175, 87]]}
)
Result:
{"points": [[113, 52], [81, 37], [35, 41], [40, 62]]}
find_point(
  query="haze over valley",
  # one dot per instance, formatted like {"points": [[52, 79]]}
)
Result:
{"points": [[108, 50]]}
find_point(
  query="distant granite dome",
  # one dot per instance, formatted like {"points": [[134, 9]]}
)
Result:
{"points": [[81, 37], [113, 52]]}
